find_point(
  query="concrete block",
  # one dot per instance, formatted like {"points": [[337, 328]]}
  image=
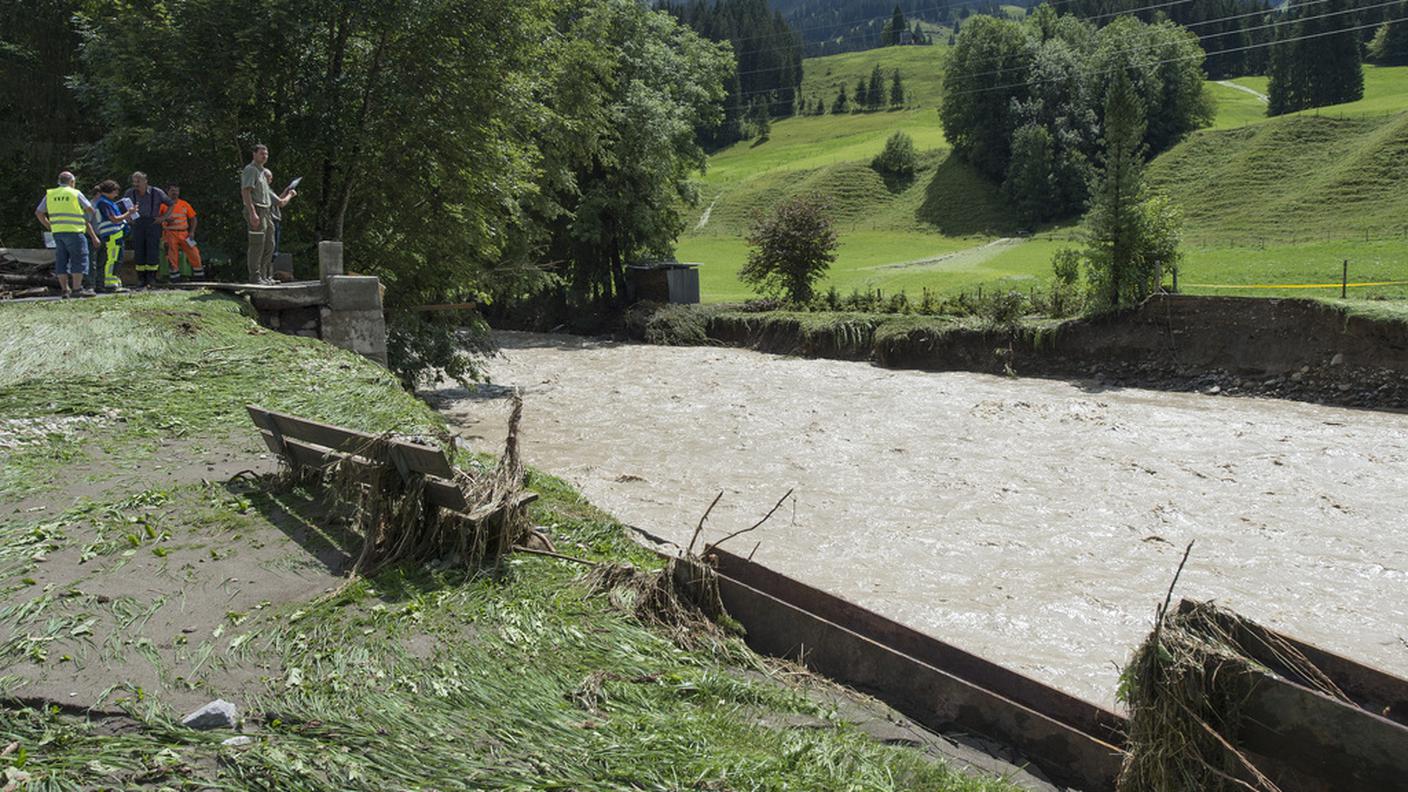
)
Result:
{"points": [[329, 259], [354, 293], [363, 332], [284, 296]]}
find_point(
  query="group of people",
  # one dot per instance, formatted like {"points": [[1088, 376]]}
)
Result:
{"points": [[90, 233]]}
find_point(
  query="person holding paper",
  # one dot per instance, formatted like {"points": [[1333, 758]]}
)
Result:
{"points": [[144, 236], [179, 232], [112, 228], [279, 203], [258, 200]]}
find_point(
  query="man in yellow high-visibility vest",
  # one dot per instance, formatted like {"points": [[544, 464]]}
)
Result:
{"points": [[64, 212]]}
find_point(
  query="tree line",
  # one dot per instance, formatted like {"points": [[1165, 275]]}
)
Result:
{"points": [[877, 93], [1024, 101], [768, 52], [830, 27], [463, 151]]}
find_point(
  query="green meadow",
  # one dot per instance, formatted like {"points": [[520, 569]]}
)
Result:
{"points": [[1267, 202]]}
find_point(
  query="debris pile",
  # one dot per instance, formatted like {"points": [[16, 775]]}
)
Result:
{"points": [[1185, 689], [399, 524], [682, 597], [26, 272]]}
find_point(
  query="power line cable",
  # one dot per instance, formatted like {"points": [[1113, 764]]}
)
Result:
{"points": [[1200, 39], [1210, 36], [969, 4], [1258, 45], [1201, 23], [1244, 48]]}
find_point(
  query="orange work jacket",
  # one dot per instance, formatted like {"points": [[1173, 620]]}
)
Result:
{"points": [[179, 221]]}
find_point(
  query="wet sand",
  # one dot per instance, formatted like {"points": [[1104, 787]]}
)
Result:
{"points": [[1035, 522]]}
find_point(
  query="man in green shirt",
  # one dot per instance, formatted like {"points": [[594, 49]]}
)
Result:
{"points": [[259, 214]]}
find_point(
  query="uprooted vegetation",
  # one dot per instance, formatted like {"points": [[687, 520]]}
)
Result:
{"points": [[1186, 687], [147, 595]]}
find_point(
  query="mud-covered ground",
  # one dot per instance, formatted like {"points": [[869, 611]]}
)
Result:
{"points": [[1037, 522]]}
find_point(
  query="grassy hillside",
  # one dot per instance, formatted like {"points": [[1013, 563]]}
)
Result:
{"points": [[147, 566], [1299, 178], [921, 69], [1267, 201]]}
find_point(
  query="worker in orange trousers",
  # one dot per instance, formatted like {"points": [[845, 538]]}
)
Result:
{"points": [[178, 232]]}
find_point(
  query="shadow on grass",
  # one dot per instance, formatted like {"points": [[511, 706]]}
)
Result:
{"points": [[959, 201], [308, 517], [897, 183]]}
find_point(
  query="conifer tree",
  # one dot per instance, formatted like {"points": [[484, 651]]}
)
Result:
{"points": [[875, 92], [842, 104], [1316, 60], [1114, 218], [897, 26], [897, 91], [1390, 44], [862, 98]]}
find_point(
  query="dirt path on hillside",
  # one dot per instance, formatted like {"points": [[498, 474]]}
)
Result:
{"points": [[1035, 522], [1244, 89], [966, 258]]}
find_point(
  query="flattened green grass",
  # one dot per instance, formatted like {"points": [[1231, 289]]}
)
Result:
{"points": [[517, 678], [521, 680]]}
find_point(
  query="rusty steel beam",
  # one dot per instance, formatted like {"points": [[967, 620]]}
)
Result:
{"points": [[931, 696], [1373, 690], [1307, 740], [1082, 715]]}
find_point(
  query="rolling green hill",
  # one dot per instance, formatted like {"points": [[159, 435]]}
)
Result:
{"points": [[921, 69], [1267, 201]]}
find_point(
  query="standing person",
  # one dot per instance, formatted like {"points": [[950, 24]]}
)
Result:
{"points": [[112, 229], [63, 213], [279, 203], [179, 234], [258, 200], [144, 235]]}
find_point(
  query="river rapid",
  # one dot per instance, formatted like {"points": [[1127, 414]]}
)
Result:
{"points": [[1035, 522]]}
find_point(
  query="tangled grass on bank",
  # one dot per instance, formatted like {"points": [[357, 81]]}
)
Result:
{"points": [[415, 678], [455, 680]]}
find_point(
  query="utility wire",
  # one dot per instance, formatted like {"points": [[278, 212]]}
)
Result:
{"points": [[941, 7], [1190, 25], [1209, 36], [1189, 57], [1243, 48]]}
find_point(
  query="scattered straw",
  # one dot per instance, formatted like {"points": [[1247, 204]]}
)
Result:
{"points": [[399, 524], [1185, 687]]}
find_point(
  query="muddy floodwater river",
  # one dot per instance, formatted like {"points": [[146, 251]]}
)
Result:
{"points": [[1035, 522]]}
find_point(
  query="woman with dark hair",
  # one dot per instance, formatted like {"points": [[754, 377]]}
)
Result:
{"points": [[112, 229]]}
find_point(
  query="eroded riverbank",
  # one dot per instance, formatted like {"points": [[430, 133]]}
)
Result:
{"points": [[1036, 522]]}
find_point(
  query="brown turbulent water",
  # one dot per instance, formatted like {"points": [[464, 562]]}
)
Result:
{"points": [[1035, 522]]}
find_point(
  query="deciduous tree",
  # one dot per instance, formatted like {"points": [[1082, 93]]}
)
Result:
{"points": [[792, 248]]}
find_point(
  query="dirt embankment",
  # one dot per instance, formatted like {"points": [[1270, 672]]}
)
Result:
{"points": [[1297, 349]]}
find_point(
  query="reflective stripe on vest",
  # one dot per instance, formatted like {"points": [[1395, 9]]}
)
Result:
{"points": [[64, 205], [107, 227], [178, 220]]}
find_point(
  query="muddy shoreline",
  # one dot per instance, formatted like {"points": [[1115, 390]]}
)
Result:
{"points": [[1301, 350]]}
